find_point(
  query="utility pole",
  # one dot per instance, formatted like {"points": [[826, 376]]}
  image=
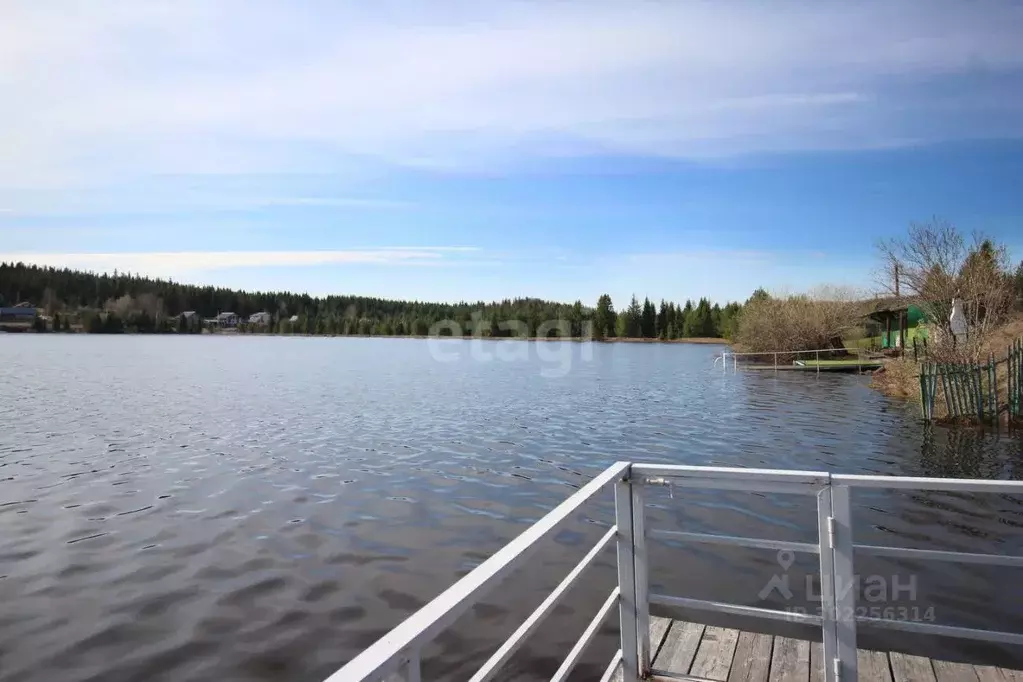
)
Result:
{"points": [[895, 266]]}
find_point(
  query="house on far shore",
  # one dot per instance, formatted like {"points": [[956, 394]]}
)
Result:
{"points": [[294, 319], [23, 312], [227, 320], [189, 315], [260, 319]]}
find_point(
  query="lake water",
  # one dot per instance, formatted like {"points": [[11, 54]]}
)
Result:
{"points": [[265, 508]]}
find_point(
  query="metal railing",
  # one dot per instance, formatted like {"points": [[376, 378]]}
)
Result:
{"points": [[814, 355], [398, 652]]}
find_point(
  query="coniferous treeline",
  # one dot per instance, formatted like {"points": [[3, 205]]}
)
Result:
{"points": [[113, 303]]}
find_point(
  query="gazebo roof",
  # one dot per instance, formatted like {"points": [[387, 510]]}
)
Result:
{"points": [[888, 304]]}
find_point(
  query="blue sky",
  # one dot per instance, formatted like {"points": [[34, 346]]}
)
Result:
{"points": [[464, 150]]}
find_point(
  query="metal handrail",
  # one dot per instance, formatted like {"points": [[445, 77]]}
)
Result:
{"points": [[859, 352], [402, 646]]}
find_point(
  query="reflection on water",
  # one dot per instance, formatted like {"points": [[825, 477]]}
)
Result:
{"points": [[264, 508]]}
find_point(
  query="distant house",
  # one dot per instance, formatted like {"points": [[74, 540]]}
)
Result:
{"points": [[260, 319], [22, 312], [227, 320], [294, 319], [189, 315]]}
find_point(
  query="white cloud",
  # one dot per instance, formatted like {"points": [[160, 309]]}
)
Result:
{"points": [[101, 89], [156, 201], [181, 263]]}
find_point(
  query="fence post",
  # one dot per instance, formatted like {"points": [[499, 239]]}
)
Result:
{"points": [[1009, 398], [627, 581], [841, 540], [953, 377], [1013, 381], [923, 391], [978, 391], [945, 388], [992, 373], [1017, 377]]}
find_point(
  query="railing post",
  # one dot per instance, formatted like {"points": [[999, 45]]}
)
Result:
{"points": [[845, 584], [825, 533], [642, 577], [413, 671], [627, 581]]}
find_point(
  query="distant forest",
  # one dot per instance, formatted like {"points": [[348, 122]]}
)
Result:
{"points": [[116, 303]]}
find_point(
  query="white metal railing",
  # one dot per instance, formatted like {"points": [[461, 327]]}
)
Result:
{"points": [[861, 355], [399, 651]]}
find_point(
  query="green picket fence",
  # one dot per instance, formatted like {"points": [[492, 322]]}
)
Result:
{"points": [[970, 391]]}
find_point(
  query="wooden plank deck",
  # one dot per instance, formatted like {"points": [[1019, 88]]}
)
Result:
{"points": [[689, 651]]}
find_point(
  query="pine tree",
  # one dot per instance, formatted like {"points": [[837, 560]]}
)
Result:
{"points": [[604, 318], [699, 322], [634, 319], [682, 322], [56, 322], [648, 322], [622, 325], [715, 321], [575, 319], [759, 295], [672, 323]]}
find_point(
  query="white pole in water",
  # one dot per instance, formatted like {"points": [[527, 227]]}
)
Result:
{"points": [[735, 363], [818, 363], [775, 362]]}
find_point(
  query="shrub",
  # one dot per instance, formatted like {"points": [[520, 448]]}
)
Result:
{"points": [[803, 322]]}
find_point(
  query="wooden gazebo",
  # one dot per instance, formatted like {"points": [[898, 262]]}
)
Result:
{"points": [[895, 315]]}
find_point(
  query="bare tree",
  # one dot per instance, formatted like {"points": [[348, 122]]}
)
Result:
{"points": [[51, 304], [803, 322], [121, 306], [936, 264]]}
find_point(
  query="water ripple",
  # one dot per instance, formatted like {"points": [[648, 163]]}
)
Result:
{"points": [[264, 508]]}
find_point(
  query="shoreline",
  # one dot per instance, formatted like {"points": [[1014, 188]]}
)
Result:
{"points": [[709, 341]]}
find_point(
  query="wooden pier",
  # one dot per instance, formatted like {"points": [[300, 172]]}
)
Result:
{"points": [[847, 366], [689, 651]]}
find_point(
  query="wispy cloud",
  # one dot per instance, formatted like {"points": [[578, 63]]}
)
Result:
{"points": [[733, 256], [110, 88], [180, 263], [70, 203]]}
